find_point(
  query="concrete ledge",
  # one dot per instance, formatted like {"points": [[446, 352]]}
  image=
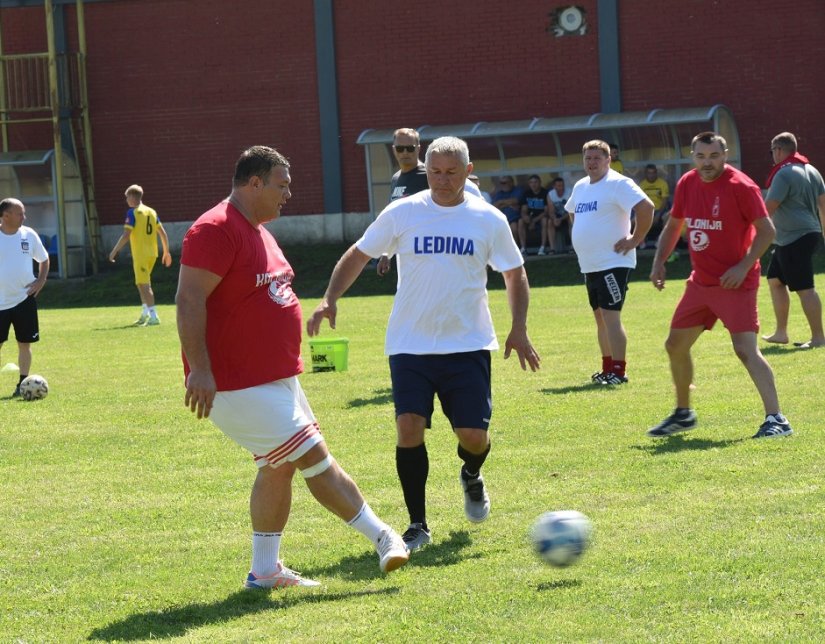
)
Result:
{"points": [[334, 228]]}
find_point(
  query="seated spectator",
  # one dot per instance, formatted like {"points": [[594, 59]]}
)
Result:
{"points": [[558, 218], [615, 162], [533, 205], [506, 199], [658, 191], [484, 195]]}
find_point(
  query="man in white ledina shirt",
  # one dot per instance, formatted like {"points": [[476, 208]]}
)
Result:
{"points": [[440, 332], [600, 208]]}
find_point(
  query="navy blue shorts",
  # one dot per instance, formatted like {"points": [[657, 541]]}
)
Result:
{"points": [[793, 265], [607, 289], [460, 380], [23, 318]]}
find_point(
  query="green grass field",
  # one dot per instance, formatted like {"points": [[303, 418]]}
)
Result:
{"points": [[123, 518]]}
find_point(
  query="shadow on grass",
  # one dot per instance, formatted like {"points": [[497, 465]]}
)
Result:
{"points": [[176, 621], [569, 389], [678, 443], [19, 399], [444, 553], [120, 327], [781, 349], [559, 583], [364, 567], [380, 397]]}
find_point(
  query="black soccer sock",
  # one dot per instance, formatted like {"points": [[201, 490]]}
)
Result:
{"points": [[472, 462], [413, 467], [23, 376]]}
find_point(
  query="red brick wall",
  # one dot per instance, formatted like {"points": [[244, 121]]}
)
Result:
{"points": [[437, 63], [178, 88], [762, 59]]}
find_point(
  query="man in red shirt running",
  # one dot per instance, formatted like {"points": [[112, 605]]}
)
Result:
{"points": [[728, 231]]}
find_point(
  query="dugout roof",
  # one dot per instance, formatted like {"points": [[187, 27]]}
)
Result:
{"points": [[30, 176], [551, 147]]}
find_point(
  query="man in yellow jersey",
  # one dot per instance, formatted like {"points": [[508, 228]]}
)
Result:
{"points": [[615, 162], [142, 229]]}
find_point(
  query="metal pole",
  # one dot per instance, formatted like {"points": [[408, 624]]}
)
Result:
{"points": [[58, 145], [92, 221], [4, 128], [91, 199]]}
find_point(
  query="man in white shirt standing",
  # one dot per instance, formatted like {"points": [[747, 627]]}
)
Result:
{"points": [[19, 246], [440, 332], [600, 208]]}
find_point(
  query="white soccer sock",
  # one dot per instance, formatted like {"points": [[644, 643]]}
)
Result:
{"points": [[152, 312], [368, 524], [145, 310], [265, 551]]}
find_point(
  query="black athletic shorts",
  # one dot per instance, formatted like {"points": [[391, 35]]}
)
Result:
{"points": [[793, 265], [607, 289], [23, 318], [460, 380]]}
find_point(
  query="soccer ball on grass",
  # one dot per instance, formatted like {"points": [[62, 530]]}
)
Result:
{"points": [[560, 538], [34, 387]]}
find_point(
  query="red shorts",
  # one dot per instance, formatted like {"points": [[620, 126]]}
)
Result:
{"points": [[703, 305]]}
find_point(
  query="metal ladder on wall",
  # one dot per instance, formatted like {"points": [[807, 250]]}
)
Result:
{"points": [[82, 148], [51, 88]]}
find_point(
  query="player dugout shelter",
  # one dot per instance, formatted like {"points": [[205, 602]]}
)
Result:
{"points": [[31, 176], [551, 147]]}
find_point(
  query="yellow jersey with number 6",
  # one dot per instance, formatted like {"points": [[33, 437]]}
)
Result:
{"points": [[143, 222]]}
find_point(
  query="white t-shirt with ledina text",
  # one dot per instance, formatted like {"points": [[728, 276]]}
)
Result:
{"points": [[442, 254], [601, 217]]}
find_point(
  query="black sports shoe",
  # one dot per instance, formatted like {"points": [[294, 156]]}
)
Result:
{"points": [[16, 393], [416, 536], [598, 377], [613, 379], [775, 425], [675, 423]]}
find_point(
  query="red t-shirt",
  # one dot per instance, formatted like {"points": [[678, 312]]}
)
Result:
{"points": [[253, 323], [719, 217]]}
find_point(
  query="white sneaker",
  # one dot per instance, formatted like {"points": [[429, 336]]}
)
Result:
{"points": [[392, 551], [281, 578], [542, 251], [476, 499]]}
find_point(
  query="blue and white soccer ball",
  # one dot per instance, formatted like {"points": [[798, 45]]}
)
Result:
{"points": [[560, 538], [34, 387]]}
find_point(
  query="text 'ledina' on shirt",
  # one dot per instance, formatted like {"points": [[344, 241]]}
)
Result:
{"points": [[435, 245]]}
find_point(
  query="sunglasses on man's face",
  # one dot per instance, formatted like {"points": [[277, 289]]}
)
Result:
{"points": [[404, 148]]}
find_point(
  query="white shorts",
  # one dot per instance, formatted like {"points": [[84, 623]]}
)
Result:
{"points": [[273, 421]]}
